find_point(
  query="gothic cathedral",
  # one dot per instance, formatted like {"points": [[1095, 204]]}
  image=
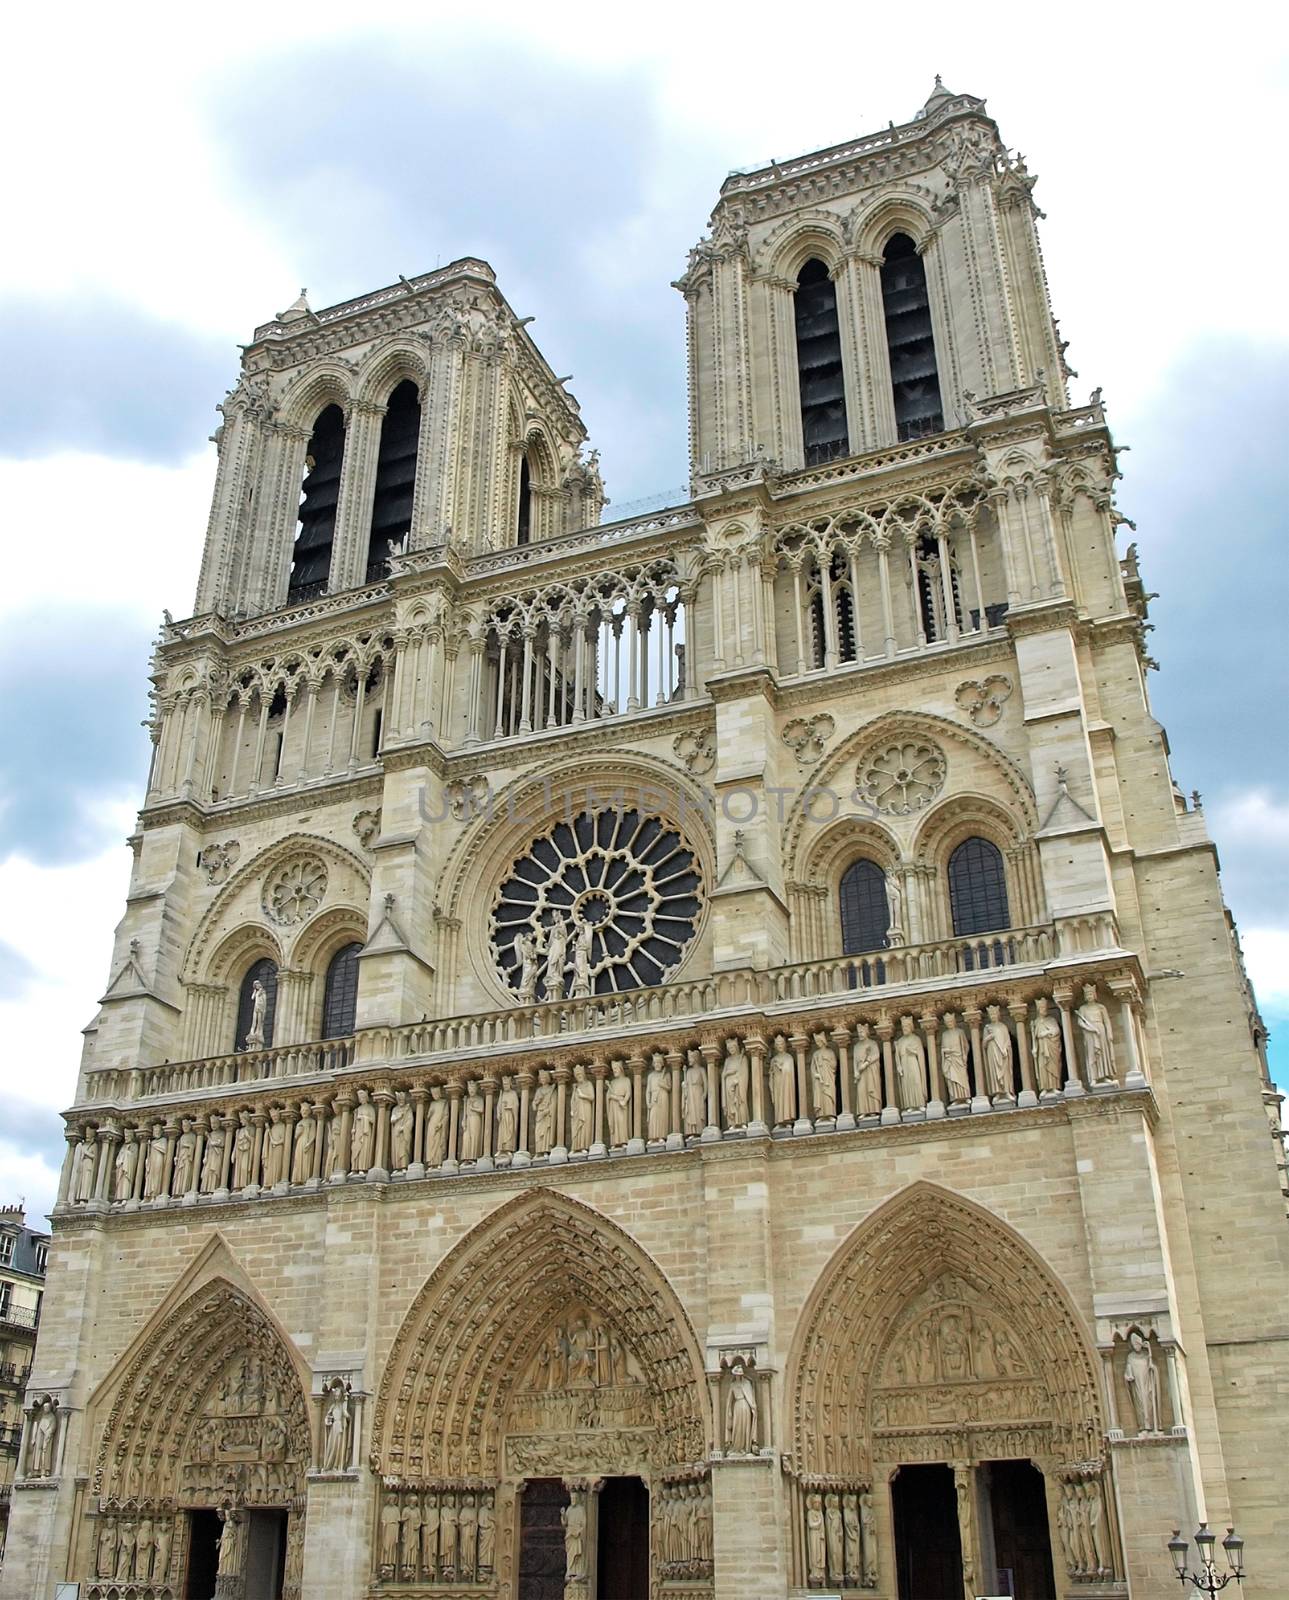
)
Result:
{"points": [[698, 1057]]}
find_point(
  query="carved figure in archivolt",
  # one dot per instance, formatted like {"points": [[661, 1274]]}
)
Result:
{"points": [[507, 1117], [823, 1077], [1045, 1041], [402, 1124], [1142, 1377], [657, 1100], [544, 1108], [996, 1045], [910, 1067], [617, 1104], [783, 1082], [867, 1066], [694, 1095], [736, 1073], [436, 1128], [581, 1109], [1098, 1042]]}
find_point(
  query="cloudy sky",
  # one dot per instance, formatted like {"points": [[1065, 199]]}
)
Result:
{"points": [[174, 176]]}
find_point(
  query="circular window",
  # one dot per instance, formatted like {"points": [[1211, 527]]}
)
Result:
{"points": [[296, 891], [607, 900], [902, 778]]}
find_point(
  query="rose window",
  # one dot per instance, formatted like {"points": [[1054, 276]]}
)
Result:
{"points": [[296, 891], [600, 902], [902, 778]]}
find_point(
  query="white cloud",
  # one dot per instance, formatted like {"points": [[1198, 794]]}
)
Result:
{"points": [[1266, 956], [1255, 817]]}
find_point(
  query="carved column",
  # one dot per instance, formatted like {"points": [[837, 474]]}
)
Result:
{"points": [[522, 1157], [109, 1138], [418, 1097], [1018, 1011], [929, 1022], [489, 1086], [559, 1151], [711, 1054], [384, 1099], [755, 1048], [453, 1093], [73, 1139], [1063, 994], [980, 1100], [803, 1124], [599, 1071], [841, 1041], [676, 1137], [343, 1107], [636, 1144], [885, 1031]]}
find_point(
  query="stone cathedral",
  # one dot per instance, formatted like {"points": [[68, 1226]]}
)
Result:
{"points": [[696, 1057]]}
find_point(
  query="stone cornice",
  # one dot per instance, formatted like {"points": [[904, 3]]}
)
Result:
{"points": [[261, 808], [840, 682], [611, 733]]}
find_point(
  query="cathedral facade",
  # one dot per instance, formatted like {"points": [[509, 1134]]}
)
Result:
{"points": [[698, 1057]]}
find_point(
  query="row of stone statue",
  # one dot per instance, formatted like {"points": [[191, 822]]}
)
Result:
{"points": [[1081, 1519], [841, 1539], [684, 1523], [133, 1549], [437, 1536]]}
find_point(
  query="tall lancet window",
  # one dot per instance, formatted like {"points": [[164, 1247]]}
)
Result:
{"points": [[865, 912], [524, 527], [391, 512], [340, 994], [256, 1005], [914, 378], [978, 888], [311, 557], [823, 390]]}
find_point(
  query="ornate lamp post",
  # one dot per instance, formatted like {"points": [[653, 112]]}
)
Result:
{"points": [[1208, 1580]]}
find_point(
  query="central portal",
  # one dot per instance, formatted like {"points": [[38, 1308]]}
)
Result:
{"points": [[622, 1540]]}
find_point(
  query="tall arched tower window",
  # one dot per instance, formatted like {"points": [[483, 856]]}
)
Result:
{"points": [[391, 512], [524, 527], [819, 370], [915, 380], [865, 917], [264, 972], [978, 888], [340, 996], [311, 557]]}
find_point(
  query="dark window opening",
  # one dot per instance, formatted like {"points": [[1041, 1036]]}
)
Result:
{"points": [[915, 380], [524, 530], [204, 1528], [935, 618], [375, 734], [928, 1545], [819, 369], [978, 888], [622, 1540], [340, 994], [391, 512], [865, 915], [264, 972], [311, 557]]}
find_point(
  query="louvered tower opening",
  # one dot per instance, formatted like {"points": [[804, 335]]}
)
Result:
{"points": [[823, 395], [914, 378], [391, 516], [311, 557], [524, 530]]}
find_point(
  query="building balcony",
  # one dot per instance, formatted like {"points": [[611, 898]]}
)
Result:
{"points": [[12, 1316]]}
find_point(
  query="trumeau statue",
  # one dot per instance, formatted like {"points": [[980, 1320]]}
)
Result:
{"points": [[954, 1053], [996, 1046], [657, 1100], [1142, 1377], [507, 1117], [823, 1077], [1098, 1044], [783, 1082], [573, 1517], [867, 1065], [581, 1110], [1045, 1041], [402, 1123], [436, 1128], [910, 1067], [694, 1095], [362, 1141], [736, 1072], [617, 1105]]}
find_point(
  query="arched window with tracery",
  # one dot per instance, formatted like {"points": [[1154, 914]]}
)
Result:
{"points": [[915, 380], [819, 368], [256, 1007], [865, 914], [340, 993], [319, 496], [391, 513], [843, 610], [978, 888]]}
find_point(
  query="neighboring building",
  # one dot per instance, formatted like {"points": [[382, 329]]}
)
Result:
{"points": [[23, 1257], [700, 1055]]}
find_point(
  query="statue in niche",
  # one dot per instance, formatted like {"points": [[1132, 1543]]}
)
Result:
{"points": [[243, 1150], [44, 1437], [212, 1164], [582, 961], [617, 1103], [436, 1128], [955, 1051], [472, 1122], [996, 1047], [1142, 1377], [1098, 1045], [448, 1533], [467, 1536], [125, 1550], [816, 1539], [507, 1117], [105, 1560], [910, 1067], [275, 1150], [694, 1096], [556, 956], [529, 948], [835, 1535], [867, 1063], [154, 1174], [185, 1159], [410, 1531], [86, 1160], [657, 1100], [430, 1535], [736, 1072], [894, 912], [337, 1426], [823, 1077], [851, 1560], [161, 1546], [125, 1168], [487, 1538], [306, 1142], [868, 1526], [254, 1039], [391, 1528], [740, 1410], [1045, 1040], [573, 1517], [144, 1543], [581, 1110], [783, 1083], [362, 1138], [402, 1124], [544, 1107]]}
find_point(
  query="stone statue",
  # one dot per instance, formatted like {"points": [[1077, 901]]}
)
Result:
{"points": [[868, 1525], [125, 1550], [507, 1117], [448, 1525], [402, 1124], [910, 1067], [306, 1143], [657, 1100], [161, 1547], [243, 1150], [472, 1122], [853, 1558], [573, 1518], [544, 1107], [1142, 1377], [694, 1095], [144, 1543], [1045, 1040], [410, 1530], [212, 1164], [582, 961], [836, 1537], [185, 1159], [556, 955], [581, 1110], [529, 946], [736, 1072], [254, 1039], [105, 1564], [391, 1527], [740, 1411], [337, 1427], [894, 911], [955, 1049], [362, 1143], [44, 1436], [467, 1536], [86, 1160], [232, 1545], [783, 1083], [430, 1535], [823, 1077], [617, 1104], [996, 1047], [275, 1150], [126, 1167], [487, 1538], [1093, 1512], [1098, 1044], [154, 1175], [816, 1540], [436, 1128], [867, 1060]]}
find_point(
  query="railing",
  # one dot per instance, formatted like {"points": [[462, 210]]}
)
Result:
{"points": [[13, 1374], [19, 1316], [243, 1066]]}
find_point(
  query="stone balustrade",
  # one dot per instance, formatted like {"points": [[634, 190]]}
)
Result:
{"points": [[1007, 1040], [242, 1066]]}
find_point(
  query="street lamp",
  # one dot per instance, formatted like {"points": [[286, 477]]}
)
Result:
{"points": [[1208, 1580]]}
